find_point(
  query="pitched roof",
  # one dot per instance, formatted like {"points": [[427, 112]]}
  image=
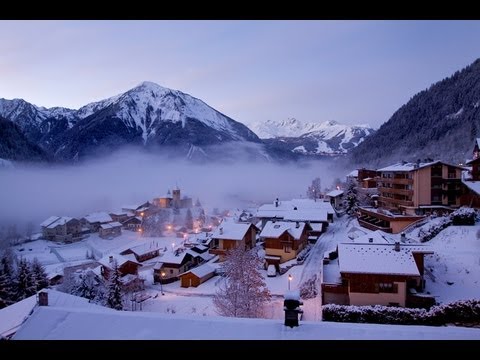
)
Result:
{"points": [[14, 315], [317, 215], [60, 221], [101, 217], [49, 221], [231, 231], [379, 258], [200, 271], [335, 193], [414, 166], [120, 259], [111, 225], [277, 228]]}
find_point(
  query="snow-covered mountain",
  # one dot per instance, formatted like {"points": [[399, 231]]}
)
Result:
{"points": [[326, 138], [148, 115]]}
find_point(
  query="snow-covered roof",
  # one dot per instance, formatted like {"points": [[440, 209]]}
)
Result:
{"points": [[472, 185], [277, 228], [379, 258], [146, 248], [334, 193], [51, 323], [378, 237], [13, 316], [110, 225], [317, 215], [270, 210], [49, 221], [101, 217], [230, 231], [174, 257], [105, 261], [353, 173], [201, 271], [404, 166], [316, 227], [60, 221]]}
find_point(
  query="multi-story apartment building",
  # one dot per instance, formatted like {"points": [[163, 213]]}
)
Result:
{"points": [[407, 191]]}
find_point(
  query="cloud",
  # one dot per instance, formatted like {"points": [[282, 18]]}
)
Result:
{"points": [[33, 193]]}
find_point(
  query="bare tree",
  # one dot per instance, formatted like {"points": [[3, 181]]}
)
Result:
{"points": [[244, 292]]}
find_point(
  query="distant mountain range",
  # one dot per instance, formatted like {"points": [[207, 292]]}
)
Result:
{"points": [[440, 122], [161, 120], [326, 138]]}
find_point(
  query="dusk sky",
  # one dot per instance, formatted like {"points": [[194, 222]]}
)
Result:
{"points": [[354, 72]]}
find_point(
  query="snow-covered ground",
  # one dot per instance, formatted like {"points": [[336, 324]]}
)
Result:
{"points": [[453, 272]]}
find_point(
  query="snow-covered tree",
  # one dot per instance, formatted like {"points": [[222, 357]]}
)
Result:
{"points": [[39, 276], [201, 217], [244, 292], [90, 287], [351, 200], [114, 289], [7, 277], [315, 189], [25, 285], [189, 219], [197, 203]]}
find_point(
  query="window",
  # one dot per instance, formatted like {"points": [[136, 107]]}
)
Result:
{"points": [[171, 271], [387, 288], [287, 248]]}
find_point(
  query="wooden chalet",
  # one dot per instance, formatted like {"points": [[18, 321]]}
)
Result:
{"points": [[376, 272], [283, 240], [196, 276], [231, 235], [125, 266], [61, 228]]}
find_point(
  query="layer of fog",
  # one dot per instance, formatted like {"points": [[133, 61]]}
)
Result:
{"points": [[125, 178]]}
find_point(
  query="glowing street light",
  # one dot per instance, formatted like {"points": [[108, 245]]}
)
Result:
{"points": [[289, 280], [173, 246], [161, 280]]}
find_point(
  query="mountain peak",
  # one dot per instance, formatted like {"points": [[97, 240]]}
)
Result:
{"points": [[149, 85]]}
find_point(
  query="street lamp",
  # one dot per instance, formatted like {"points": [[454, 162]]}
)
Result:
{"points": [[289, 280], [161, 286]]}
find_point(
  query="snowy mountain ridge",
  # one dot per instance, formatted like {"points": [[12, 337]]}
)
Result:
{"points": [[326, 138], [295, 128], [146, 115]]}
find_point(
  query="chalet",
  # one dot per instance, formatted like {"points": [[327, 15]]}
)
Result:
{"points": [[196, 276], [203, 239], [283, 240], [136, 210], [408, 191], [335, 197], [278, 209], [125, 265], [373, 271], [119, 216], [94, 220], [171, 265], [143, 252], [63, 228], [133, 223], [110, 230], [231, 235]]}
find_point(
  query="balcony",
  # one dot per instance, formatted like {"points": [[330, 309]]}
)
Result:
{"points": [[405, 192], [401, 181], [391, 202]]}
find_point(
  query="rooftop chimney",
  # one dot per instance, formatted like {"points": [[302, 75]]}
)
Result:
{"points": [[276, 202], [297, 225], [110, 259], [370, 240], [43, 298], [221, 231], [403, 238], [397, 245]]}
